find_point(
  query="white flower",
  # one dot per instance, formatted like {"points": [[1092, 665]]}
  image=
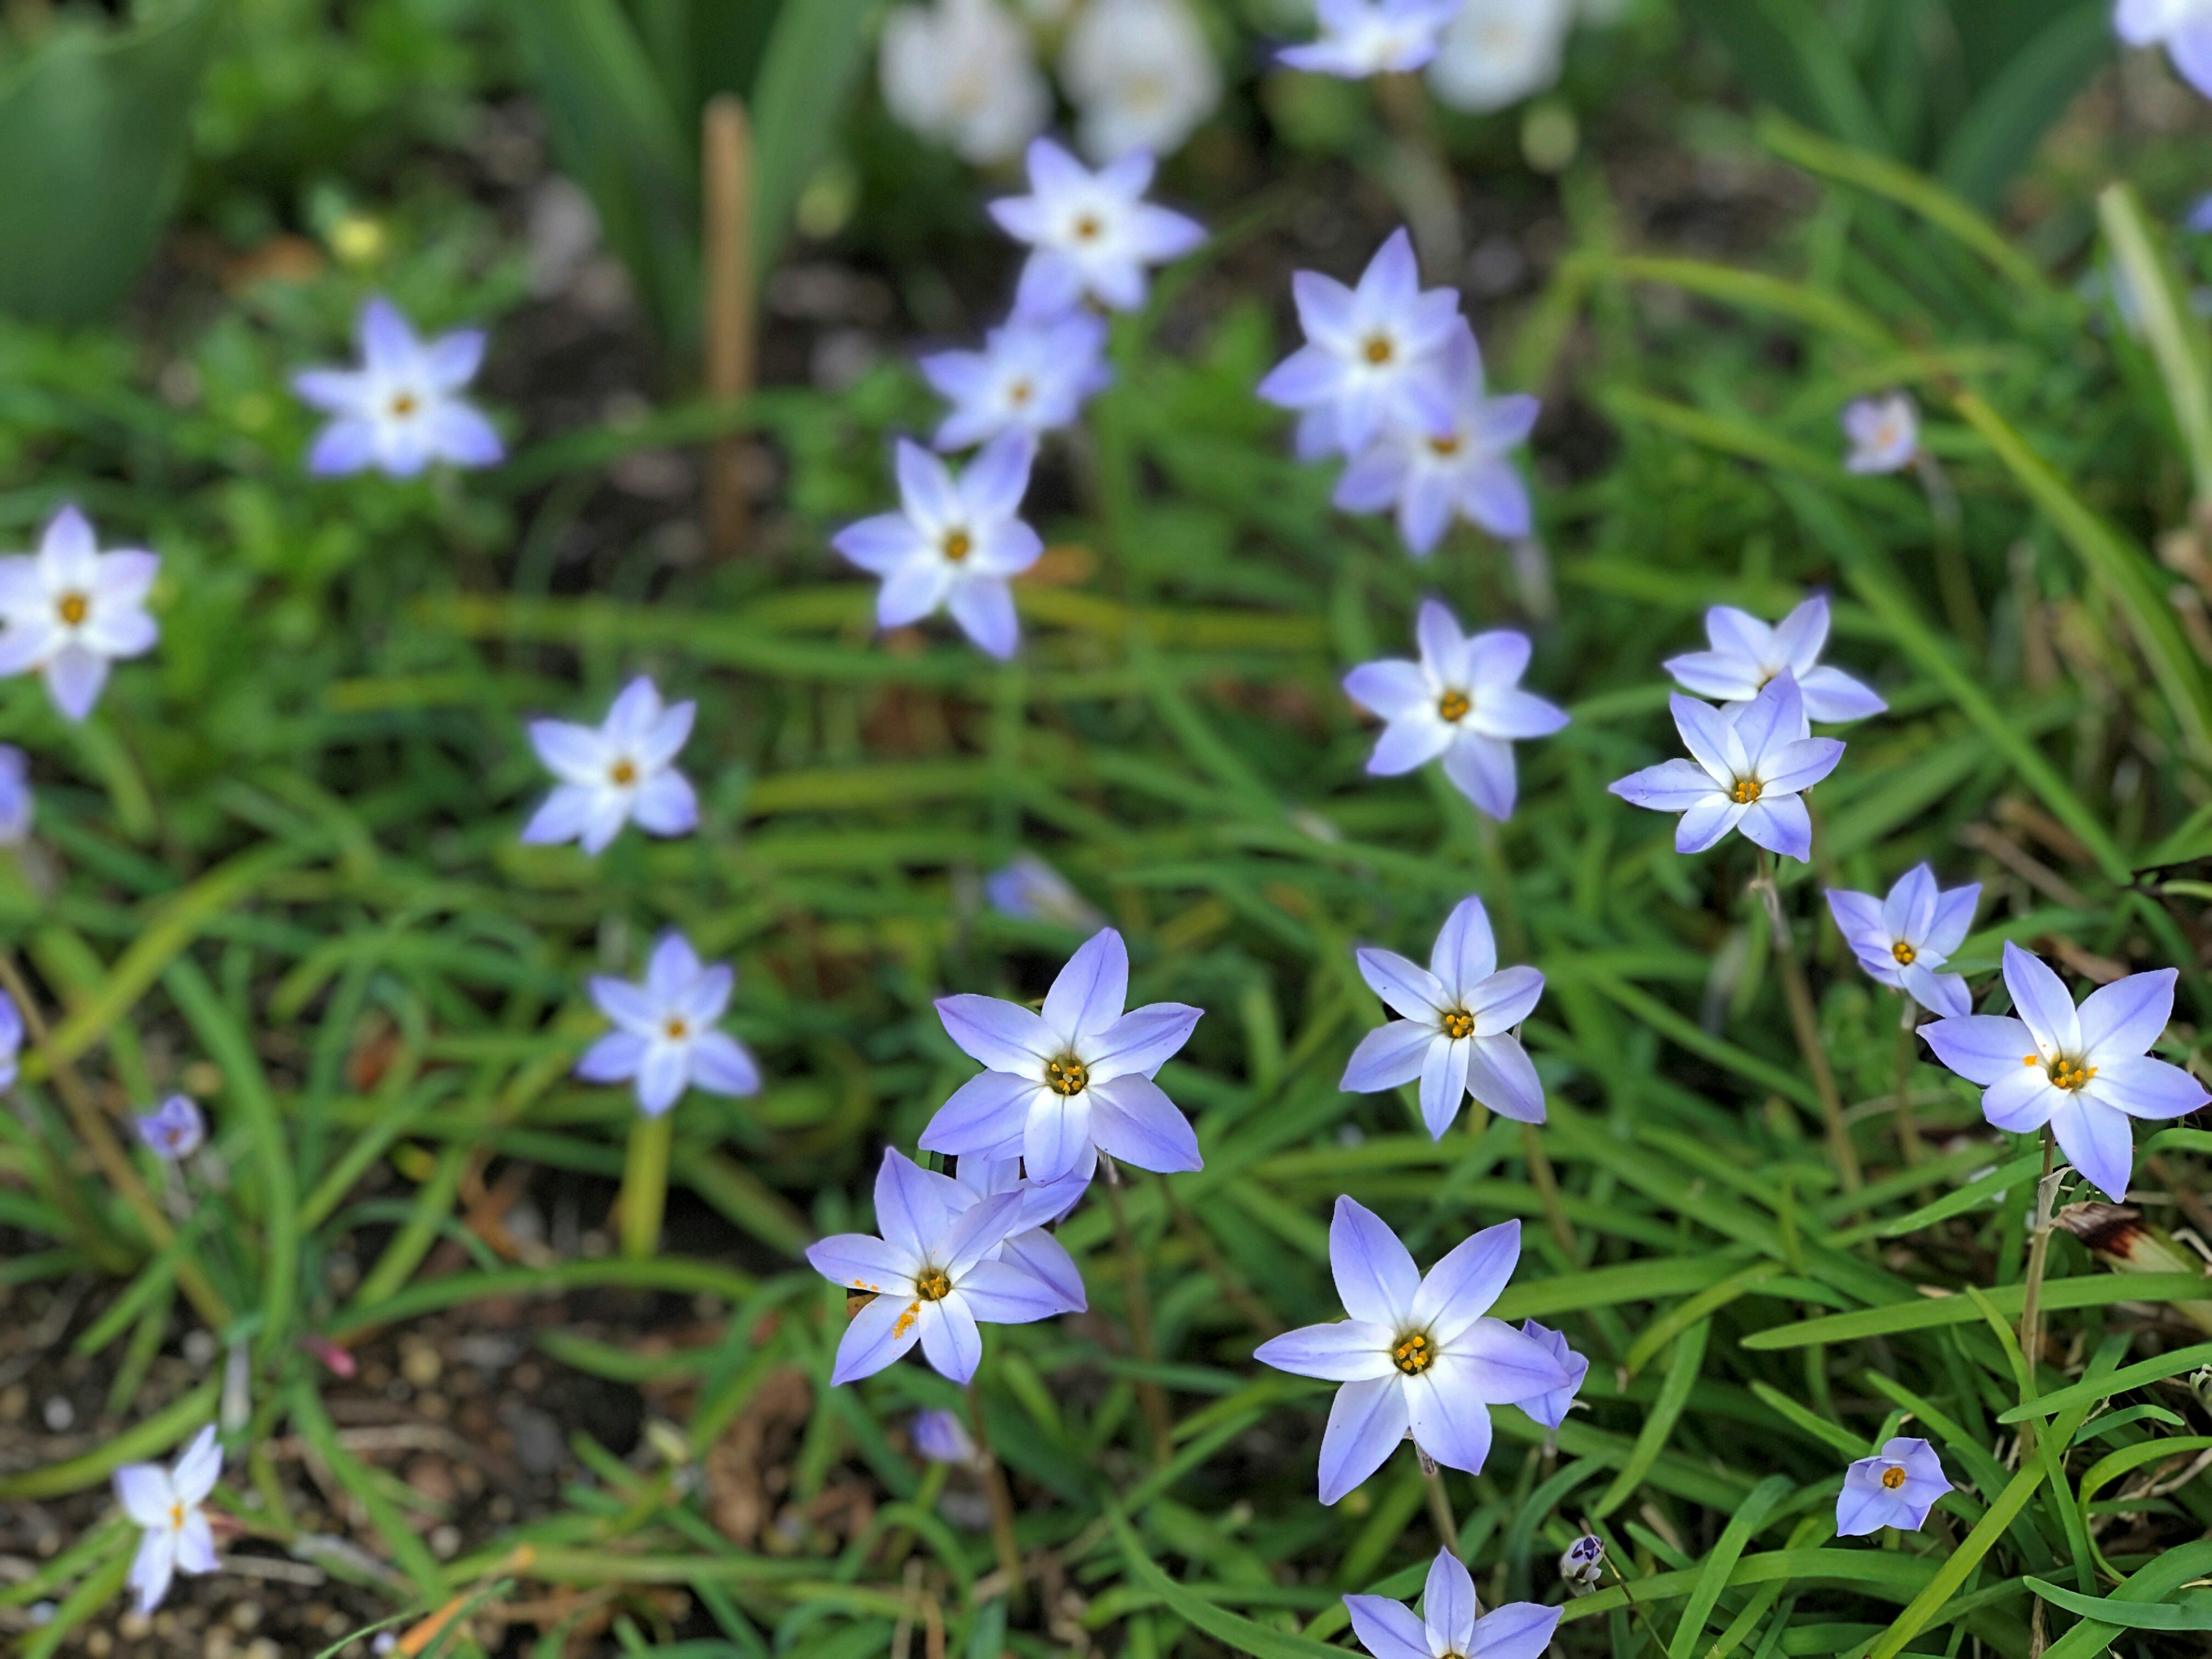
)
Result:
{"points": [[665, 1035], [1142, 74], [2184, 27], [1360, 38], [962, 72], [1456, 1030], [1497, 52], [16, 802], [70, 609], [1374, 355], [400, 410], [1902, 940], [1091, 234], [1033, 375], [1746, 655], [952, 543], [1429, 476], [615, 774], [166, 1504], [1884, 433], [1753, 761]]}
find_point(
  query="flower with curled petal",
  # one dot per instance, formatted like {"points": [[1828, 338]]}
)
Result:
{"points": [[664, 1034], [1033, 375], [621, 772], [1072, 1080], [1418, 1354], [1747, 656], [1456, 1029], [71, 610], [932, 1275], [1896, 1488], [401, 410], [2085, 1071], [1903, 939], [1091, 235], [1452, 1625], [1753, 760], [166, 1504], [1360, 38], [1550, 1409]]}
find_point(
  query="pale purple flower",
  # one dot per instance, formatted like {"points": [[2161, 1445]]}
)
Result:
{"points": [[401, 410], [622, 772], [953, 544], [1374, 355], [1753, 761], [1746, 656], [69, 610], [11, 1039], [16, 802], [942, 1437], [964, 73], [1456, 1029], [1902, 939], [1027, 889], [1418, 1355], [1550, 1409], [934, 1275], [1429, 476], [1360, 38], [1462, 703], [2083, 1071], [1033, 375], [1092, 235], [1141, 73], [1452, 1625], [1895, 1489], [2184, 27], [1075, 1078], [1884, 434], [1027, 1244], [1582, 1564], [174, 1130], [166, 1504], [2199, 220], [664, 1034]]}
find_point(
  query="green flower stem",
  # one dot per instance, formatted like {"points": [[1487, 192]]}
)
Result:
{"points": [[1004, 1544], [1799, 995], [1150, 1395], [644, 1184]]}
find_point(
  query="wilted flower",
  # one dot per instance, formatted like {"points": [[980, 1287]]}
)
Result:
{"points": [[1752, 760], [1884, 434], [1902, 940], [2083, 1071], [1497, 52], [665, 1035], [1896, 1489], [1077, 1077], [932, 1274], [953, 544], [1375, 354], [1360, 38], [1582, 1564], [1092, 235], [622, 772], [1417, 1353], [1429, 476], [1550, 1409], [70, 609], [1029, 890], [942, 1437], [11, 1039], [16, 803], [1746, 656], [1462, 702], [1456, 1032], [1453, 1625], [1033, 375], [1141, 75], [962, 72], [165, 1503], [400, 410], [2184, 27], [174, 1130]]}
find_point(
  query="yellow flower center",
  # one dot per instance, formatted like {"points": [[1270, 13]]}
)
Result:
{"points": [[1892, 1478], [1378, 349], [1746, 791], [933, 1284], [677, 1028], [959, 545], [1459, 1023], [1414, 1355], [2071, 1074], [1446, 446], [1452, 707], [1018, 393], [1087, 228], [622, 774], [1904, 953], [74, 608], [1066, 1076], [403, 405], [177, 1517]]}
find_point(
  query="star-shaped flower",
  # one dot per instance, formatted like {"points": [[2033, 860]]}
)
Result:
{"points": [[1092, 235], [1375, 353], [2184, 27], [1360, 38], [1753, 761], [664, 1034], [166, 1504], [1456, 1032], [1075, 1078], [401, 410], [953, 544], [1746, 656], [1884, 434], [1452, 1625], [962, 72], [174, 1130], [1417, 1354], [1497, 52], [1902, 939], [619, 772], [2083, 1071], [1027, 1244], [1140, 73], [934, 1275], [1896, 1489], [70, 609], [1462, 702], [1033, 375]]}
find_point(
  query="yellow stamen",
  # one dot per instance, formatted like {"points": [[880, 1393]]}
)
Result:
{"points": [[1746, 792], [1893, 1477], [1445, 445], [677, 1028], [2071, 1074], [959, 545], [1378, 349], [622, 774], [1459, 1023], [1413, 1355], [1452, 707], [933, 1284], [1087, 228], [75, 608], [1066, 1076], [1018, 393], [403, 405], [1904, 953]]}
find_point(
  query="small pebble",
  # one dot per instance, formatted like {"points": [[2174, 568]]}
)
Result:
{"points": [[59, 1414]]}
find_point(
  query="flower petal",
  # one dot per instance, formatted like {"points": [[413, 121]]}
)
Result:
{"points": [[1002, 1293], [2040, 999], [1674, 786], [1375, 1273], [1500, 1075], [949, 1339], [2147, 1088], [1519, 1629], [983, 1114], [1348, 1350], [1132, 1119], [2022, 1101], [1460, 1289], [911, 1212], [1982, 1048], [1466, 953], [1407, 987], [1388, 1056], [1141, 1041], [1448, 1605], [2126, 1017], [1444, 1084], [1386, 1629], [859, 1261], [1366, 1423], [878, 1335], [1002, 1035], [1091, 991], [1449, 1423]]}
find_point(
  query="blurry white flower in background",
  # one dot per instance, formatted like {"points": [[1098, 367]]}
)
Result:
{"points": [[963, 72], [1360, 38], [1497, 52], [1140, 75]]}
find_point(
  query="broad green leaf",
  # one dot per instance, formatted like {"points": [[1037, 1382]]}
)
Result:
{"points": [[813, 60]]}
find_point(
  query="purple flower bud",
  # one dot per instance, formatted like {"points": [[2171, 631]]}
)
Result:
{"points": [[174, 1130]]}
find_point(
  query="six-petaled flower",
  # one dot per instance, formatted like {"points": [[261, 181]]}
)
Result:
{"points": [[1754, 762], [622, 772], [402, 408], [1091, 235], [1033, 375], [1746, 656], [1895, 1488], [1360, 38], [1903, 939], [665, 1034], [69, 610], [166, 1505]]}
